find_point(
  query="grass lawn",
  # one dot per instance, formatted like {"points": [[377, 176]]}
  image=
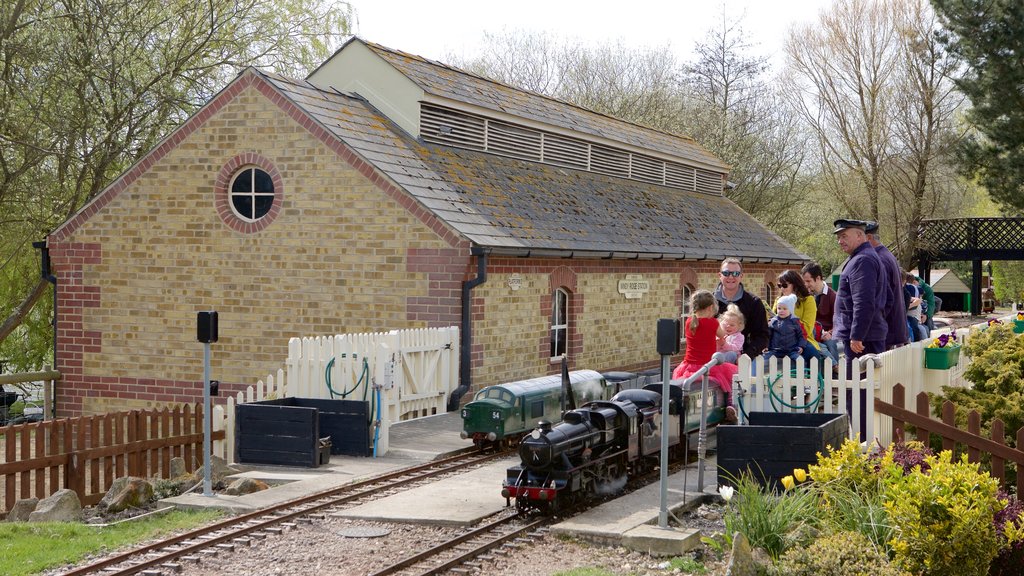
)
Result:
{"points": [[30, 548]]}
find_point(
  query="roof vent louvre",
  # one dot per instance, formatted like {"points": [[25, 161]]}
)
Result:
{"points": [[647, 169], [709, 182], [512, 140], [605, 160], [679, 176], [451, 127], [564, 151]]}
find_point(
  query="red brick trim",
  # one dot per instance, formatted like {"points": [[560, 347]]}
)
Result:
{"points": [[445, 270], [250, 77], [222, 200], [363, 166], [170, 142]]}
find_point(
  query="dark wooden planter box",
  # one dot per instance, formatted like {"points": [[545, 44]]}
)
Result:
{"points": [[288, 431], [776, 443]]}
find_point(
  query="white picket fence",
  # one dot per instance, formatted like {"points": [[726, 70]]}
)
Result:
{"points": [[783, 387], [416, 370]]}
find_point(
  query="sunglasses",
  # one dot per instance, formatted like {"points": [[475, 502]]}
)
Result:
{"points": [[732, 273], [783, 285]]}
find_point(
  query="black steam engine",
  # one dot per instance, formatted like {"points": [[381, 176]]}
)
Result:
{"points": [[591, 452]]}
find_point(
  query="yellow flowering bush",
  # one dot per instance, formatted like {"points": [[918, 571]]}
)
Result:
{"points": [[943, 520]]}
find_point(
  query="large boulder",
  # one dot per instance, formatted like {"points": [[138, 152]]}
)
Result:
{"points": [[127, 492], [219, 469], [245, 486], [62, 506], [21, 510]]}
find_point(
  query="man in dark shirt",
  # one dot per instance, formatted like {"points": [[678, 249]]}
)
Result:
{"points": [[862, 294], [730, 291], [895, 312], [825, 299]]}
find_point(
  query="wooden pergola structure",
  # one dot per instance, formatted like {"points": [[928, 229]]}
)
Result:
{"points": [[974, 239]]}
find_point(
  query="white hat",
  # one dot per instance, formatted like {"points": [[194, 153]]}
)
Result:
{"points": [[789, 301]]}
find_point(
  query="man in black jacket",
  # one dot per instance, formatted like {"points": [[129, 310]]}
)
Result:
{"points": [[730, 291]]}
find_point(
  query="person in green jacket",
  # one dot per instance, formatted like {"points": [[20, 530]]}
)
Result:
{"points": [[929, 299]]}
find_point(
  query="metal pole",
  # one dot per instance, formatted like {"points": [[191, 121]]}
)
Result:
{"points": [[663, 511], [702, 435], [207, 482]]}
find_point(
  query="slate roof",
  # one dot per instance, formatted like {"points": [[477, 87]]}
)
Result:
{"points": [[525, 208], [445, 81]]}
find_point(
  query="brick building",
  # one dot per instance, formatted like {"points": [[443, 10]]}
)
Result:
{"points": [[383, 192]]}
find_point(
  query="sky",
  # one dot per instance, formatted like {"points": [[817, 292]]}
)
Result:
{"points": [[438, 28]]}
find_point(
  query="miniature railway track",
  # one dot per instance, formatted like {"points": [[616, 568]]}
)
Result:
{"points": [[464, 549], [165, 556]]}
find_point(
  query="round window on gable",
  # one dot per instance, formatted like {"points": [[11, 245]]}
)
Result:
{"points": [[251, 194]]}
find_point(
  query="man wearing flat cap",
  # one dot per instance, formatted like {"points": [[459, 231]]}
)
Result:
{"points": [[861, 296], [894, 312]]}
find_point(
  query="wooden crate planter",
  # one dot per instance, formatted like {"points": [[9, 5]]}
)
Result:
{"points": [[288, 431], [941, 358], [773, 444]]}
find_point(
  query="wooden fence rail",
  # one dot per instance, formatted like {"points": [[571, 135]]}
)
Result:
{"points": [[88, 453], [946, 429]]}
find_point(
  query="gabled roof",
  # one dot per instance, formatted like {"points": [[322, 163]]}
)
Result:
{"points": [[945, 280], [525, 208], [443, 81]]}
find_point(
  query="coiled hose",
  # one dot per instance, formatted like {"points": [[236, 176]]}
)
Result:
{"points": [[774, 397], [363, 378]]}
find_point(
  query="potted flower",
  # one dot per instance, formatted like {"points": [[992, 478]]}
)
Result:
{"points": [[943, 352]]}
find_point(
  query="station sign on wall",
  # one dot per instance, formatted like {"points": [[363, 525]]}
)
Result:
{"points": [[634, 286]]}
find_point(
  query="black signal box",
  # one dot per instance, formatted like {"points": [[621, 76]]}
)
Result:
{"points": [[668, 336], [206, 327]]}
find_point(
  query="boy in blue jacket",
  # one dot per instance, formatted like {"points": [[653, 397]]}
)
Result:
{"points": [[786, 336]]}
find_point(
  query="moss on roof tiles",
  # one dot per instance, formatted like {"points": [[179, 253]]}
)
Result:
{"points": [[502, 202]]}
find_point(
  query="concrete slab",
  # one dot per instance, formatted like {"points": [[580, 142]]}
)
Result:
{"points": [[611, 522], [656, 541], [290, 484], [460, 500], [427, 438]]}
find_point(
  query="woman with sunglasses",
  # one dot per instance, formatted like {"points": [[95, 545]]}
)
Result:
{"points": [[791, 282]]}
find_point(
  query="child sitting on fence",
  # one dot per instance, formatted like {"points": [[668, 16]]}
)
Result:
{"points": [[702, 333], [732, 322], [786, 336]]}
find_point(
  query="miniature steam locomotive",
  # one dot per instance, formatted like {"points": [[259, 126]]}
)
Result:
{"points": [[599, 446]]}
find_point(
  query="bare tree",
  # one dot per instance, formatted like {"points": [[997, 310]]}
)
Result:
{"points": [[733, 110], [839, 79], [873, 85], [920, 182], [89, 86]]}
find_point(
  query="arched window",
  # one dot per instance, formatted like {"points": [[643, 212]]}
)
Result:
{"points": [[559, 322], [769, 294]]}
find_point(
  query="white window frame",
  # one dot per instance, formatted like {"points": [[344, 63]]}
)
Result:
{"points": [[685, 313], [559, 299]]}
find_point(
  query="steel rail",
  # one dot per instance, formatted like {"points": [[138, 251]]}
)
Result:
{"points": [[467, 555], [238, 526]]}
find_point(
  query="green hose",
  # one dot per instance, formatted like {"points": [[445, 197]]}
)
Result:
{"points": [[773, 396], [363, 378]]}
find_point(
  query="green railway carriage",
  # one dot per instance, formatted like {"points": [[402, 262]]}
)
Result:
{"points": [[508, 411]]}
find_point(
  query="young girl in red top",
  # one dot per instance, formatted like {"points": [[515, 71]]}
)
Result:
{"points": [[702, 333]]}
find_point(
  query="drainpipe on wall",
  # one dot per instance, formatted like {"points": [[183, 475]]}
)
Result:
{"points": [[466, 330], [44, 270]]}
